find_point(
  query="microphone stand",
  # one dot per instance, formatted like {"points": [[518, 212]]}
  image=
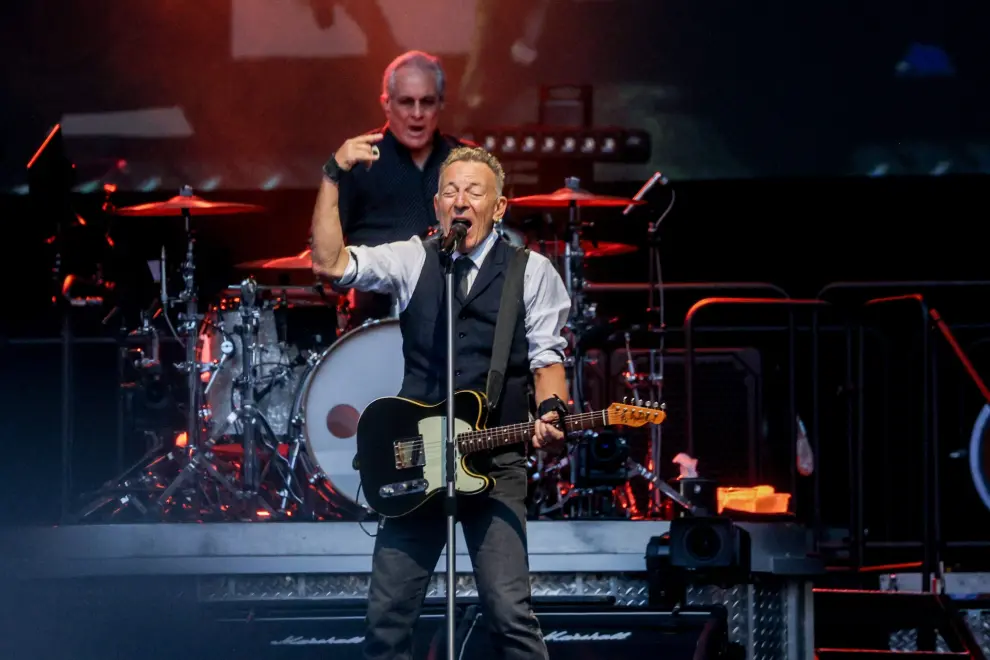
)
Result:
{"points": [[450, 242]]}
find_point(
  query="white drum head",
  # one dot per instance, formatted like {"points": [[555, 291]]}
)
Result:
{"points": [[363, 365]]}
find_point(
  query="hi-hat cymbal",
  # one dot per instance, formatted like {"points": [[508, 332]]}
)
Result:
{"points": [[589, 248], [195, 205], [301, 261], [565, 197]]}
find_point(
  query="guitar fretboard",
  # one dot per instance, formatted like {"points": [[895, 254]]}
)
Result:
{"points": [[507, 435]]}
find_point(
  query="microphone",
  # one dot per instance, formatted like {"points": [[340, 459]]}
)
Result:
{"points": [[457, 232], [657, 177]]}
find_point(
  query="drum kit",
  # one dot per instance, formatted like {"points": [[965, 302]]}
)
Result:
{"points": [[276, 381]]}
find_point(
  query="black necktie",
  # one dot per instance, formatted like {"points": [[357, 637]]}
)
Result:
{"points": [[462, 266]]}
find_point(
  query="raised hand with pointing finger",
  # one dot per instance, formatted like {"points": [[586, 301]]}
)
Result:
{"points": [[360, 149]]}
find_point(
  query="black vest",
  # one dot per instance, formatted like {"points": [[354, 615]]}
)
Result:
{"points": [[423, 324]]}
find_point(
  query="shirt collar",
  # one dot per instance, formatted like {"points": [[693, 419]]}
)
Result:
{"points": [[478, 254], [436, 152]]}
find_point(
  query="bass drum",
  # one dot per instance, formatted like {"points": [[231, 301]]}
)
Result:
{"points": [[363, 365]]}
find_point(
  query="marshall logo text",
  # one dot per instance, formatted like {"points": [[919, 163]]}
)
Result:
{"points": [[299, 640], [564, 636]]}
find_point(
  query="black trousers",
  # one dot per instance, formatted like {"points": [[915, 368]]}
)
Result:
{"points": [[406, 554]]}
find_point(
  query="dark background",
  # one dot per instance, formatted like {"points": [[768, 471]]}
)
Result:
{"points": [[726, 90], [757, 116], [797, 235]]}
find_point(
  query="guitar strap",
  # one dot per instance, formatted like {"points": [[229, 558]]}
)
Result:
{"points": [[508, 311]]}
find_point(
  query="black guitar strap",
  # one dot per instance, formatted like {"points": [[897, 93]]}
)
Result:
{"points": [[508, 311]]}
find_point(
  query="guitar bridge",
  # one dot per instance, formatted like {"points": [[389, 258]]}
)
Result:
{"points": [[404, 488], [410, 453]]}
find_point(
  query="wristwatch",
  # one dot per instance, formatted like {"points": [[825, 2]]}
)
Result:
{"points": [[331, 169], [553, 404]]}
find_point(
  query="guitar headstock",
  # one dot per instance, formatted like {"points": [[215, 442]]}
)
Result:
{"points": [[636, 412]]}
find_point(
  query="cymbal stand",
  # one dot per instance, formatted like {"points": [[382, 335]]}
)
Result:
{"points": [[574, 282], [189, 325], [654, 380], [195, 463]]}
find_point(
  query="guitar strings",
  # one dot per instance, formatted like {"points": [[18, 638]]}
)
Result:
{"points": [[502, 431]]}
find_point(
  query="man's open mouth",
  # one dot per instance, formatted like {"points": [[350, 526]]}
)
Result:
{"points": [[463, 221]]}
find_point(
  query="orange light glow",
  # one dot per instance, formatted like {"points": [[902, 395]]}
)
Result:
{"points": [[182, 439], [758, 499]]}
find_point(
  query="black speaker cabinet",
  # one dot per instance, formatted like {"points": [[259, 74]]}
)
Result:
{"points": [[607, 634]]}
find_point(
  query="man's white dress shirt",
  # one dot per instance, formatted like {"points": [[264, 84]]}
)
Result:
{"points": [[394, 269]]}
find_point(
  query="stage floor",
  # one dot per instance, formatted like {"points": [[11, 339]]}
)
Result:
{"points": [[587, 546]]}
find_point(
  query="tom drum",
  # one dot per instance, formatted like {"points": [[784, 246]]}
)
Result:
{"points": [[292, 321]]}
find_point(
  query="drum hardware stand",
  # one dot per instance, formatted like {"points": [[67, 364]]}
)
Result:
{"points": [[296, 432], [652, 382], [247, 412], [248, 406], [193, 459], [660, 485]]}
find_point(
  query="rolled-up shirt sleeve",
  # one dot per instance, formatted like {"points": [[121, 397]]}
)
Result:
{"points": [[547, 308], [392, 268]]}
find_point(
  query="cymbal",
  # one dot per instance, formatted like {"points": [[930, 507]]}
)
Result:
{"points": [[565, 197], [195, 205], [301, 261], [590, 249]]}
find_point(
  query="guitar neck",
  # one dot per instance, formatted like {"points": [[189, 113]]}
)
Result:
{"points": [[501, 436]]}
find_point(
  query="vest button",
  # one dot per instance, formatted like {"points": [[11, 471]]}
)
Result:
{"points": [[457, 373], [462, 317], [461, 335]]}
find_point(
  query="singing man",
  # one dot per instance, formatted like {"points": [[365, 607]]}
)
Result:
{"points": [[408, 548]]}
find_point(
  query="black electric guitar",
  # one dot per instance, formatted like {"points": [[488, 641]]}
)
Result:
{"points": [[401, 445]]}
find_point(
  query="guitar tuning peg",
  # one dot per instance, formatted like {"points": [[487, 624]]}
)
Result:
{"points": [[656, 405], [639, 402], [625, 399]]}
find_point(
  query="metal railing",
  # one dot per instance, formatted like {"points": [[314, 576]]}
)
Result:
{"points": [[791, 305], [932, 542]]}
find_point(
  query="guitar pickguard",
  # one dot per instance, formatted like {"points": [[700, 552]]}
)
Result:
{"points": [[431, 429]]}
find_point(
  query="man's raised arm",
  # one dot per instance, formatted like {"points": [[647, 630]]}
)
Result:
{"points": [[329, 256]]}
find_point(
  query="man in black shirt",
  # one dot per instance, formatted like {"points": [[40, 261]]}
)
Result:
{"points": [[392, 199]]}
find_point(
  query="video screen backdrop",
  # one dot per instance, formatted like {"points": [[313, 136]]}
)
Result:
{"points": [[249, 94]]}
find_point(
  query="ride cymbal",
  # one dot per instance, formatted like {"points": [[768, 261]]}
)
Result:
{"points": [[301, 261], [589, 248], [181, 203], [565, 197]]}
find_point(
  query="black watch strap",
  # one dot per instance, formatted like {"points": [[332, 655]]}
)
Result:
{"points": [[552, 404], [331, 169]]}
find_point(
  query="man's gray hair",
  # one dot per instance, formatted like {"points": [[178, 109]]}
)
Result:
{"points": [[415, 58]]}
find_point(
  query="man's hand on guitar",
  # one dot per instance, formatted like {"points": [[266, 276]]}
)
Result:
{"points": [[545, 433]]}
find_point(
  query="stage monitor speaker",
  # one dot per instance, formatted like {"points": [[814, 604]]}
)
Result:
{"points": [[707, 544], [597, 634]]}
